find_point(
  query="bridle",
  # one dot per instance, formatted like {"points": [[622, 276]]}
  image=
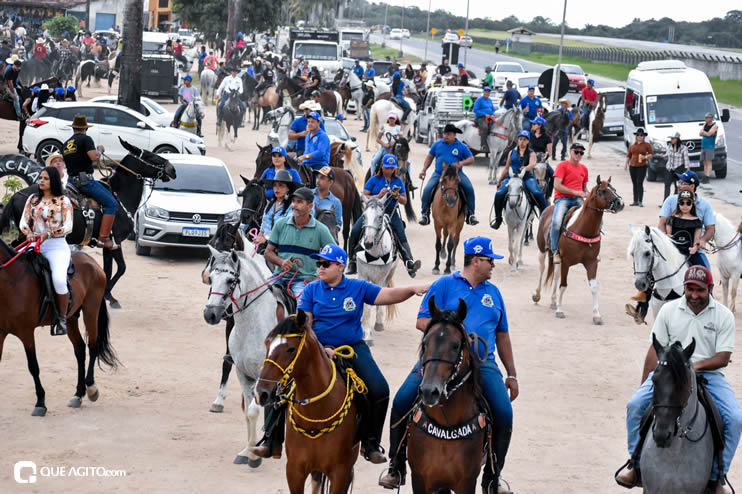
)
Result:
{"points": [[684, 430], [379, 229], [612, 203], [650, 271]]}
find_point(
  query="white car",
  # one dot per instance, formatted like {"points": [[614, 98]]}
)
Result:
{"points": [[450, 38], [504, 71], [406, 33], [186, 37], [466, 41], [184, 212], [149, 108], [613, 121], [49, 127], [396, 33]]}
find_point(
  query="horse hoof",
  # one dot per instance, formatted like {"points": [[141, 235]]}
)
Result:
{"points": [[519, 264], [560, 315], [598, 321], [114, 304], [552, 306], [92, 392], [436, 271], [513, 269], [244, 460], [38, 412], [526, 243], [369, 342], [536, 298], [214, 408], [75, 402], [378, 327]]}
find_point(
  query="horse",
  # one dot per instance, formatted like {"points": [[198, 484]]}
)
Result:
{"points": [[294, 353], [328, 218], [377, 260], [597, 117], [127, 185], [728, 247], [450, 396], [89, 69], [253, 204], [380, 111], [331, 102], [295, 88], [208, 85], [518, 214], [22, 310], [281, 120], [351, 88], [448, 218], [578, 244], [658, 265], [401, 150], [231, 118], [189, 119], [678, 455], [239, 280]]}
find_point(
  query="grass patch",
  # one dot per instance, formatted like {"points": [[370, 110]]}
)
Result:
{"points": [[615, 71], [727, 92], [379, 53], [536, 38]]}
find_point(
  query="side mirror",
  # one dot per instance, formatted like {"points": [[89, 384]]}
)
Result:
{"points": [[725, 115], [141, 125]]}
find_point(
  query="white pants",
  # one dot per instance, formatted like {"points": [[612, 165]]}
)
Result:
{"points": [[57, 252]]}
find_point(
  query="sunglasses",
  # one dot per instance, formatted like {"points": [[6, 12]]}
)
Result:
{"points": [[578, 153], [325, 264], [685, 203], [490, 261]]}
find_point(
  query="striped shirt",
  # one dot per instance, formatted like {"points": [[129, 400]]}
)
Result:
{"points": [[299, 243], [677, 159]]}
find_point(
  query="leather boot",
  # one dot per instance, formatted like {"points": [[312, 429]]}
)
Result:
{"points": [[499, 206], [410, 264], [500, 444], [59, 328], [395, 476], [425, 217], [352, 267], [104, 235], [275, 430], [628, 477], [374, 416], [722, 489]]}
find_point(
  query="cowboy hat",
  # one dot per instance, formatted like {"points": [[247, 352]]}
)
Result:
{"points": [[80, 122], [452, 128], [307, 105], [51, 158], [564, 100], [283, 177], [640, 132], [44, 87], [10, 60], [40, 41], [316, 106]]}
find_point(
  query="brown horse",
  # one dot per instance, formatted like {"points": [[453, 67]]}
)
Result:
{"points": [[295, 89], [596, 124], [21, 312], [331, 102], [449, 368], [267, 101], [578, 244], [322, 431], [448, 218]]}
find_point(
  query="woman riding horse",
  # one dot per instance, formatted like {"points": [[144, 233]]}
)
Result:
{"points": [[281, 186], [278, 162]]}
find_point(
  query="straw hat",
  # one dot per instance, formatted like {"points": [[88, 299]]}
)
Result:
{"points": [[11, 59], [307, 105], [51, 158], [80, 122]]}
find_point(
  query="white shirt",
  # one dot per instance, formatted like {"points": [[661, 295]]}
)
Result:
{"points": [[391, 129], [230, 83], [713, 328]]}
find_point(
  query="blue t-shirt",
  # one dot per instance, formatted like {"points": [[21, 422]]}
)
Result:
{"points": [[201, 57], [450, 153], [400, 88], [300, 125], [485, 308], [376, 183], [337, 310], [329, 202], [370, 73], [358, 70], [703, 209], [318, 145], [483, 107], [270, 174], [532, 105], [511, 97]]}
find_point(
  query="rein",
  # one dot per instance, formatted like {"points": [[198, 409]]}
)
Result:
{"points": [[27, 244], [728, 245], [688, 428], [649, 273]]}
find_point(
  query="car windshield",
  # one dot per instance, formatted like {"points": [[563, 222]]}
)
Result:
{"points": [[153, 46], [614, 98], [311, 51], [155, 106], [185, 32], [200, 179], [677, 108], [528, 81], [572, 69], [335, 128], [508, 67]]}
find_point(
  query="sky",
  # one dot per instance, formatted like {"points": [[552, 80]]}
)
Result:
{"points": [[581, 12]]}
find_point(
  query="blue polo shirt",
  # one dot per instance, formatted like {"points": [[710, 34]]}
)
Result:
{"points": [[318, 145], [300, 125], [450, 153], [485, 308], [329, 202], [337, 310], [358, 70], [376, 183], [483, 107], [511, 97], [532, 105], [270, 174], [370, 73]]}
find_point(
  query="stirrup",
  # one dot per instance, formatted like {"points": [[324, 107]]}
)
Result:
{"points": [[58, 329], [392, 471], [637, 475]]}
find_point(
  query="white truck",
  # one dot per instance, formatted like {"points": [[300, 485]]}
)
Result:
{"points": [[348, 34], [320, 47], [664, 97]]}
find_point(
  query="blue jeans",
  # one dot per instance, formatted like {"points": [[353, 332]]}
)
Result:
{"points": [[561, 206], [725, 400], [98, 192], [17, 104], [379, 154], [585, 118], [555, 140], [527, 123], [223, 100], [531, 184], [699, 258], [402, 102], [493, 388], [433, 183], [297, 286], [378, 389], [366, 118]]}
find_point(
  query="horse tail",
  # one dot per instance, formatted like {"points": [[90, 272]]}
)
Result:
{"points": [[371, 127], [103, 347], [391, 310]]}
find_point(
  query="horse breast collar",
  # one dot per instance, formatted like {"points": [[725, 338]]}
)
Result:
{"points": [[88, 207], [466, 430]]}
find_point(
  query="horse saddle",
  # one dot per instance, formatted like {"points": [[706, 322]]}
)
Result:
{"points": [[284, 298], [565, 222], [41, 268], [88, 207]]}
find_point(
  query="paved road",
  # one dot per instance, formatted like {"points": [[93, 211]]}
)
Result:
{"points": [[476, 59]]}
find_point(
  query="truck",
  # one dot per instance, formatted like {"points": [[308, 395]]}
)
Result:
{"points": [[443, 105], [664, 97], [350, 34], [319, 46]]}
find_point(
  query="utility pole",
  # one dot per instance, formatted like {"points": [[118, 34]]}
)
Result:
{"points": [[401, 27], [427, 32], [466, 28], [557, 71], [386, 11], [87, 17]]}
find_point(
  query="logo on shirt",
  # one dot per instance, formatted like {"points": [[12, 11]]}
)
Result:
{"points": [[314, 139], [349, 304], [487, 300], [455, 152]]}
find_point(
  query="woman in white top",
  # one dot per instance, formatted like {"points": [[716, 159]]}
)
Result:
{"points": [[391, 128]]}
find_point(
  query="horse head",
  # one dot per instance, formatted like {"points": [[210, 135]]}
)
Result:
{"points": [[643, 250], [539, 171], [515, 190], [674, 387], [604, 197], [224, 277], [401, 149], [147, 164], [328, 218], [253, 201], [373, 222], [449, 185]]}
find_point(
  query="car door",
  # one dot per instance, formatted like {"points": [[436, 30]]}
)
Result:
{"points": [[116, 123]]}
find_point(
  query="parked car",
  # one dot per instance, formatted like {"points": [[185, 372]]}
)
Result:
{"points": [[184, 212], [504, 71], [148, 107], [450, 38], [337, 131], [49, 127], [613, 121], [577, 77], [466, 41], [406, 33], [441, 106], [396, 33], [186, 37], [381, 67]]}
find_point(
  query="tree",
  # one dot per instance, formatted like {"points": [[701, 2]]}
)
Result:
{"points": [[62, 26], [208, 16], [234, 15], [130, 81]]}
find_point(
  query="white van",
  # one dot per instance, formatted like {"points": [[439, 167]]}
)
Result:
{"points": [[664, 97]]}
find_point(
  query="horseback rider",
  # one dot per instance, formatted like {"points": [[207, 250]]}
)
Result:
{"points": [[79, 153], [323, 197], [570, 189], [696, 316], [266, 79], [278, 163], [186, 94], [540, 142], [282, 186], [299, 130], [452, 152], [317, 150], [386, 181], [386, 138], [399, 89], [334, 306], [588, 101], [532, 103], [39, 49], [484, 112], [47, 218], [522, 158], [230, 83], [486, 316], [210, 62], [313, 82]]}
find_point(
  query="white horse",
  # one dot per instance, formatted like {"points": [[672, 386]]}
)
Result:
{"points": [[208, 85], [656, 262], [281, 120], [380, 111], [518, 213], [238, 278], [380, 87], [376, 260], [356, 91], [189, 120], [729, 248]]}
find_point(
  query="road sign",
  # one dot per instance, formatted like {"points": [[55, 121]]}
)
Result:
{"points": [[433, 31], [507, 41], [545, 81], [461, 32]]}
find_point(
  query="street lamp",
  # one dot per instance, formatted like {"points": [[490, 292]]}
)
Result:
{"points": [[557, 71], [466, 27], [401, 38], [427, 32]]}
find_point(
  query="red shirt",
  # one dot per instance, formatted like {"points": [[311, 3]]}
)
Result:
{"points": [[573, 177], [589, 95], [39, 51], [178, 49]]}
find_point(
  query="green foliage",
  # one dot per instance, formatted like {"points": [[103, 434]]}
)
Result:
{"points": [[62, 26], [378, 52], [210, 17], [11, 186]]}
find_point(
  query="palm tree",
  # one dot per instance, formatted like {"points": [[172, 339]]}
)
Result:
{"points": [[130, 81]]}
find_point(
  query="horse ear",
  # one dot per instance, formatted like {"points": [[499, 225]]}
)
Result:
{"points": [[647, 230], [246, 180], [657, 346], [239, 240], [609, 178], [461, 310], [688, 351], [213, 251], [301, 319], [234, 256], [598, 180], [432, 308]]}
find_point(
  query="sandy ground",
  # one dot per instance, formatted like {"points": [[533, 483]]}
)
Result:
{"points": [[152, 418]]}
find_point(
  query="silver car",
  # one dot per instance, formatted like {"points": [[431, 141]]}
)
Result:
{"points": [[184, 212]]}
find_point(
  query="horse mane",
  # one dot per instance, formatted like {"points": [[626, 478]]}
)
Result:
{"points": [[676, 364], [7, 249], [724, 228], [450, 172], [662, 241], [289, 323]]}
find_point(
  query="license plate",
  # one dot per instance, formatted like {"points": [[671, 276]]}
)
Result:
{"points": [[615, 128], [694, 163], [195, 232]]}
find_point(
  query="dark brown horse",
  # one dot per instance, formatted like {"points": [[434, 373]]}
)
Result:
{"points": [[322, 431], [295, 89], [448, 218], [21, 312], [451, 397], [578, 244]]}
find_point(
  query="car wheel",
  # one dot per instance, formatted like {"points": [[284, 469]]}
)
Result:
{"points": [[141, 250], [721, 172], [165, 148], [46, 149], [430, 137], [418, 137], [651, 174]]}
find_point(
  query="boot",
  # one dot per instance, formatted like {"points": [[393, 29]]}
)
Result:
{"points": [[59, 328], [499, 206], [372, 427], [628, 477], [104, 235], [410, 264], [274, 427], [635, 313], [425, 217], [397, 472], [352, 268], [500, 444], [405, 113], [198, 129], [267, 451], [472, 220]]}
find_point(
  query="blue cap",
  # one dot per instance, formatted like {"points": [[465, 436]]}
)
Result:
{"points": [[35, 89], [389, 161], [340, 116], [531, 87], [314, 115], [59, 91], [71, 89], [187, 78], [688, 177], [539, 120], [524, 133], [480, 246], [279, 149], [358, 59], [332, 253], [460, 64], [396, 74], [486, 88], [591, 81]]}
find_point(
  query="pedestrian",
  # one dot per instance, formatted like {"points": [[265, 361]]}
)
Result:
{"points": [[677, 162], [510, 97], [708, 146], [561, 137], [368, 100], [638, 154], [489, 78]]}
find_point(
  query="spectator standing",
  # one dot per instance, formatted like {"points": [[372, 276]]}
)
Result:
{"points": [[677, 162], [638, 154]]}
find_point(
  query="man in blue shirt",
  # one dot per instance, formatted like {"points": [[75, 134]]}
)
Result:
{"points": [[530, 104], [370, 71], [485, 316], [484, 112], [452, 152], [317, 151], [186, 94], [357, 69], [323, 198], [298, 129], [510, 97]]}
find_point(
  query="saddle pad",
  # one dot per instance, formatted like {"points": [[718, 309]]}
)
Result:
{"points": [[367, 258], [467, 430]]}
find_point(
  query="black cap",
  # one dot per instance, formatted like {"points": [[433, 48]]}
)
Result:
{"points": [[304, 193], [640, 132], [577, 145], [452, 128]]}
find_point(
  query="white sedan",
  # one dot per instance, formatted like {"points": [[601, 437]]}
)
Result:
{"points": [[148, 107]]}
